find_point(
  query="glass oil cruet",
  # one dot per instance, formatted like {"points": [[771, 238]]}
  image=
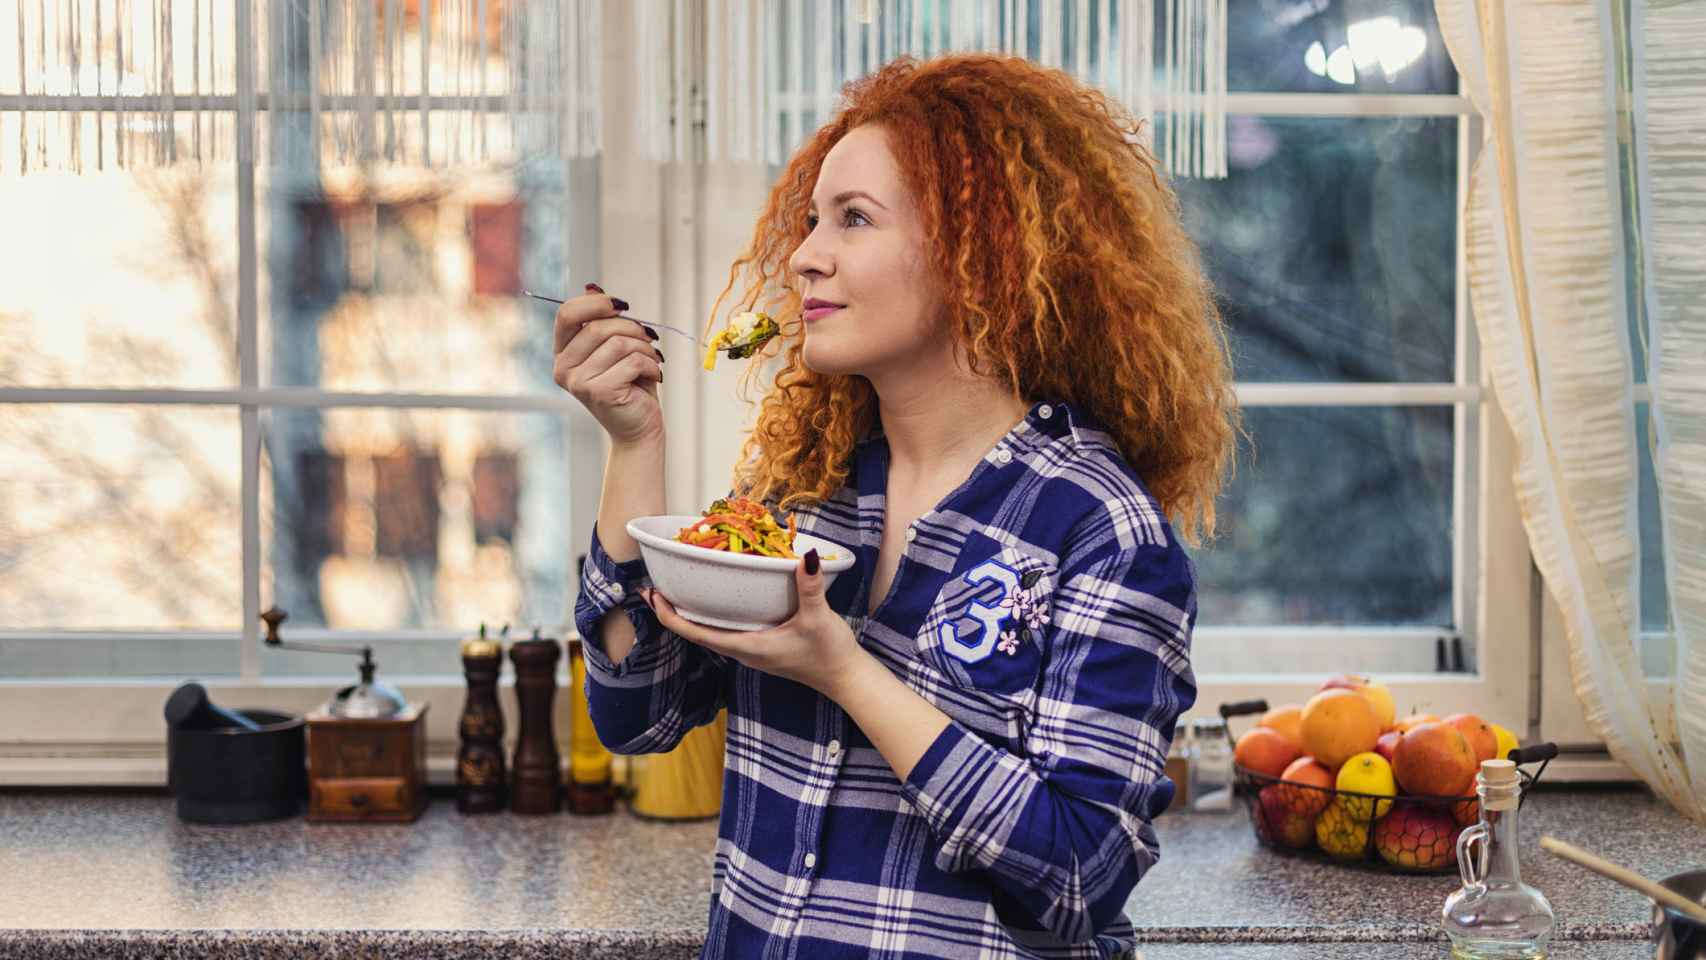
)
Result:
{"points": [[1495, 914]]}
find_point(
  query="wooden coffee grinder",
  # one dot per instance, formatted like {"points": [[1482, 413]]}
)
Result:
{"points": [[366, 745]]}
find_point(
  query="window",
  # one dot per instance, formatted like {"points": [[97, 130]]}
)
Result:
{"points": [[1348, 535], [371, 438], [1375, 519], [317, 387]]}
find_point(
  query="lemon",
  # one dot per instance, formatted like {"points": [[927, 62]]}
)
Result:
{"points": [[1507, 741], [1341, 832], [1366, 773]]}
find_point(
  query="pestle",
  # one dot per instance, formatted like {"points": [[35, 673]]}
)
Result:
{"points": [[189, 708]]}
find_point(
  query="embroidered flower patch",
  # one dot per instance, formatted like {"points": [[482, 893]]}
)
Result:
{"points": [[1030, 612]]}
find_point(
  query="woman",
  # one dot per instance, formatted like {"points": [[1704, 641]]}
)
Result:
{"points": [[1006, 391]]}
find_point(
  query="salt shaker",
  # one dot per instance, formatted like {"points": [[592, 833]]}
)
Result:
{"points": [[1211, 766], [1178, 768]]}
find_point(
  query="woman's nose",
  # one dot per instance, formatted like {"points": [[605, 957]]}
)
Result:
{"points": [[809, 261]]}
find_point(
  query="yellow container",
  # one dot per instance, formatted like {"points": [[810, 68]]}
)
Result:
{"points": [[685, 783], [589, 761]]}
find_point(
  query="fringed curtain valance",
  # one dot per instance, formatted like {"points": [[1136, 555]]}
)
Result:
{"points": [[774, 68], [92, 84]]}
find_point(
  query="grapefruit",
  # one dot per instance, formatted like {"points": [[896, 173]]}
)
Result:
{"points": [[1378, 696]]}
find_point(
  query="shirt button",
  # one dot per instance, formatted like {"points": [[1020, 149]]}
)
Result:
{"points": [[911, 534], [834, 749], [1004, 455], [1045, 411], [811, 860]]}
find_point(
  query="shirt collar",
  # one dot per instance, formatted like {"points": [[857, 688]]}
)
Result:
{"points": [[1047, 418]]}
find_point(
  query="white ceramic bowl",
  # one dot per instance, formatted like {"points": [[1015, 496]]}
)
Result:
{"points": [[731, 591]]}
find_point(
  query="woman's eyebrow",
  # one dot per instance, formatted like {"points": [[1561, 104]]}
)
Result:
{"points": [[847, 195]]}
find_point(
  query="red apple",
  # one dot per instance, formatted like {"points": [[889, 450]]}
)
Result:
{"points": [[1387, 745], [1277, 821], [1415, 837]]}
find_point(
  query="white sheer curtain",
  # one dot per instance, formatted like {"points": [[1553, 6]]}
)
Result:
{"points": [[1668, 73], [125, 83], [1547, 271], [773, 69]]}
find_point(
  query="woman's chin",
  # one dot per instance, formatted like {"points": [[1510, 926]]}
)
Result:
{"points": [[822, 357]]}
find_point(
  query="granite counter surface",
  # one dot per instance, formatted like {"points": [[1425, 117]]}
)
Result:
{"points": [[91, 875]]}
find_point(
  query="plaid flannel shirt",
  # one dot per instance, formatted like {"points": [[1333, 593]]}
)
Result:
{"points": [[1046, 607]]}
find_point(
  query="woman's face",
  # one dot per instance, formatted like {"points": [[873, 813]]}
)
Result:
{"points": [[872, 306]]}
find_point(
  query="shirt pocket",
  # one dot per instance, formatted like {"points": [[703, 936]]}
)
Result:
{"points": [[985, 628]]}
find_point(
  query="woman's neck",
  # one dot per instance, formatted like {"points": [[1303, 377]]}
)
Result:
{"points": [[937, 431]]}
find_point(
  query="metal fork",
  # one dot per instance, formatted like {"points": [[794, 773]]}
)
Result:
{"points": [[644, 323]]}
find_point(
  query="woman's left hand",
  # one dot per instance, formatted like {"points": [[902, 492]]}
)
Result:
{"points": [[814, 647]]}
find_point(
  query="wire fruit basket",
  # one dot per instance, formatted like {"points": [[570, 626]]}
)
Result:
{"points": [[1406, 833]]}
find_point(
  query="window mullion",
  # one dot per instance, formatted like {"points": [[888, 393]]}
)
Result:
{"points": [[1467, 420], [248, 324]]}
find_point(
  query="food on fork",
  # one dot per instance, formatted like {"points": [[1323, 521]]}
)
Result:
{"points": [[744, 335], [741, 525]]}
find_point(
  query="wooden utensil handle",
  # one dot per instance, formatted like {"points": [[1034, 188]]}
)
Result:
{"points": [[1605, 868]]}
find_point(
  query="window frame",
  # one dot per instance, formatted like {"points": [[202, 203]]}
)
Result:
{"points": [[90, 731], [108, 731]]}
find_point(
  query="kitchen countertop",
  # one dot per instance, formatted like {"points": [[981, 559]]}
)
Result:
{"points": [[90, 875]]}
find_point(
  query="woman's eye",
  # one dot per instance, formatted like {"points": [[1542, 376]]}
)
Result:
{"points": [[811, 222], [850, 213]]}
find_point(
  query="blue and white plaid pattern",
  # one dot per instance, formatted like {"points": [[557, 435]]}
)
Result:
{"points": [[1025, 827]]}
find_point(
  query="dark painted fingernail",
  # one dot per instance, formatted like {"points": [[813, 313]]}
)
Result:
{"points": [[620, 304], [650, 332], [659, 353], [594, 288], [811, 562]]}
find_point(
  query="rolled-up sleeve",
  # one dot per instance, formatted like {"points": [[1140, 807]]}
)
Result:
{"points": [[664, 687], [1064, 831]]}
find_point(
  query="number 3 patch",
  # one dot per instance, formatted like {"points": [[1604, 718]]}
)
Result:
{"points": [[998, 621]]}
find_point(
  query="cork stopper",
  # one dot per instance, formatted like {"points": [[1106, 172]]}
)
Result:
{"points": [[1498, 785], [1498, 773]]}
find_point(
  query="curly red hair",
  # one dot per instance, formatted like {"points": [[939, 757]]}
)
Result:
{"points": [[1067, 271]]}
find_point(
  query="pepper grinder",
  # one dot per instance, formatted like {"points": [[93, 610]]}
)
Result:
{"points": [[480, 786], [537, 780]]}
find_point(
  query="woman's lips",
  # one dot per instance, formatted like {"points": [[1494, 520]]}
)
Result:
{"points": [[818, 313]]}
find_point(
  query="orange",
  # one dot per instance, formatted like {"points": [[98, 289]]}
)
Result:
{"points": [[1483, 739], [1264, 751], [1405, 724], [1337, 725], [1287, 719], [1304, 770]]}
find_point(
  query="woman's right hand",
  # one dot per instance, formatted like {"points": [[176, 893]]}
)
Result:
{"points": [[610, 365]]}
